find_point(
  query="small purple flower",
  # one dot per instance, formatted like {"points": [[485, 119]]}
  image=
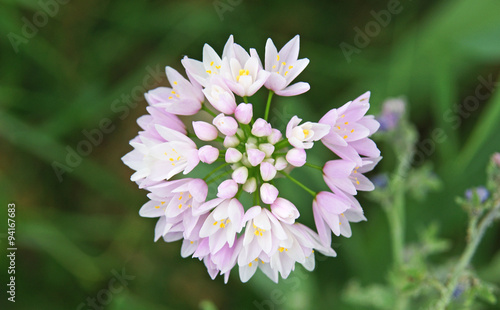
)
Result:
{"points": [[481, 192]]}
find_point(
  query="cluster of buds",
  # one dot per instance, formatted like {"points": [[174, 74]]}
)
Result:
{"points": [[220, 230]]}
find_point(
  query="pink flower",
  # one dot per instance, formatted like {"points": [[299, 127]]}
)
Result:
{"points": [[284, 210], [268, 193], [243, 72], [202, 72], [296, 157], [255, 157], [261, 128], [284, 68], [348, 137], [226, 124], [182, 99], [159, 160], [220, 96], [223, 223], [327, 210], [302, 136], [205, 131], [158, 116], [262, 235], [244, 113], [208, 154], [174, 203], [348, 176]]}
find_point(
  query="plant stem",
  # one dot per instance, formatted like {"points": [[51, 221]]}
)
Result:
{"points": [[268, 105], [307, 189], [282, 144], [206, 109], [219, 176], [477, 233], [245, 99], [315, 167], [215, 170]]}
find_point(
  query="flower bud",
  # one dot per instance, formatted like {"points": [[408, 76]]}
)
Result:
{"points": [[240, 175], [231, 141], [255, 156], [208, 154], [267, 171], [244, 113], [205, 131], [268, 193], [296, 157], [233, 155], [250, 185], [220, 96], [261, 128], [275, 136], [284, 210], [226, 124], [281, 163], [227, 189], [267, 148]]}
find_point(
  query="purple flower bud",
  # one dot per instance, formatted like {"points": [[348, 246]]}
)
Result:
{"points": [[267, 148], [233, 155], [481, 192], [268, 193], [227, 189], [267, 171], [231, 141], [285, 211], [208, 154], [392, 111], [240, 175], [281, 163], [275, 136], [205, 131], [244, 113], [250, 185], [226, 124], [255, 156], [261, 128], [296, 157]]}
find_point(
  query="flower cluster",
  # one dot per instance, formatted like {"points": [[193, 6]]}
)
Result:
{"points": [[249, 154]]}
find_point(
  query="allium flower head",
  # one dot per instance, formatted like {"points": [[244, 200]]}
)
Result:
{"points": [[244, 155]]}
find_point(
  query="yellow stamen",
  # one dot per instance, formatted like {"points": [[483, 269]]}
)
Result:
{"points": [[157, 207], [290, 68], [281, 249], [306, 132], [215, 223], [209, 71], [170, 97], [250, 265], [180, 206], [175, 83], [345, 137], [278, 57], [212, 63]]}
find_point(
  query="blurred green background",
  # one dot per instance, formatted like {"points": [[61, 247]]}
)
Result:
{"points": [[79, 65]]}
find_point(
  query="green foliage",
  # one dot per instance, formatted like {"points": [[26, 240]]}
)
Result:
{"points": [[66, 77]]}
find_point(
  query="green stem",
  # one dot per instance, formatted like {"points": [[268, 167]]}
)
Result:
{"points": [[215, 170], [268, 105], [282, 144], [219, 176], [245, 99], [465, 258], [206, 109], [315, 167], [307, 189]]}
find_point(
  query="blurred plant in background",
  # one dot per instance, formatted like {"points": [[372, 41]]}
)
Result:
{"points": [[72, 85], [416, 282]]}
